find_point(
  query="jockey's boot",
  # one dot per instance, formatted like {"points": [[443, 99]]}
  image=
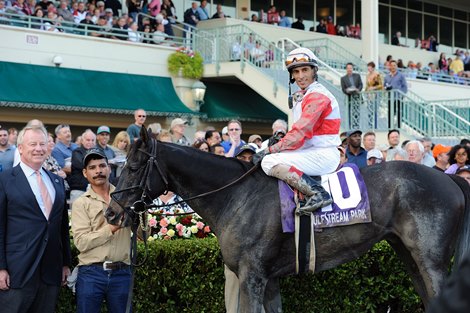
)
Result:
{"points": [[316, 195]]}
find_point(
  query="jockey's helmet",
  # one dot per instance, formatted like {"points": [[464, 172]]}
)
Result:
{"points": [[301, 57]]}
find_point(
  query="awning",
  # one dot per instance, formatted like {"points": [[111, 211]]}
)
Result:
{"points": [[226, 101], [56, 88]]}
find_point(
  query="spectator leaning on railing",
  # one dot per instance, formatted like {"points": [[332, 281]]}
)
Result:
{"points": [[395, 81]]}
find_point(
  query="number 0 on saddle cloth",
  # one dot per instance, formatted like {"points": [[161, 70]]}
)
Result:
{"points": [[350, 201]]}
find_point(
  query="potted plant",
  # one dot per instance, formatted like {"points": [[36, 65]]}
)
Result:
{"points": [[185, 63]]}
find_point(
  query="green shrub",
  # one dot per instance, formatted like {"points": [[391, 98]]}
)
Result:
{"points": [[186, 63], [187, 276]]}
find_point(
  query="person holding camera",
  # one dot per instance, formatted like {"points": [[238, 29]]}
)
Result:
{"points": [[395, 81], [309, 148]]}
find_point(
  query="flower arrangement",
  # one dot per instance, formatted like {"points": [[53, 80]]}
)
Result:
{"points": [[186, 63], [188, 226]]}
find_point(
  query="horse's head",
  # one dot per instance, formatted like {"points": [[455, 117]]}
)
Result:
{"points": [[141, 181]]}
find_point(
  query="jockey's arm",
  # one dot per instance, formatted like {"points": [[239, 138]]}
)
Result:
{"points": [[315, 107]]}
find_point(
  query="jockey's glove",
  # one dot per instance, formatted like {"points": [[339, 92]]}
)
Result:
{"points": [[258, 157]]}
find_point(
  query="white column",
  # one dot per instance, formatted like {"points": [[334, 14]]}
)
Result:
{"points": [[370, 30]]}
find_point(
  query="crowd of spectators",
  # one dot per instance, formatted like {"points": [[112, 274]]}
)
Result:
{"points": [[97, 18], [325, 25], [356, 148], [362, 151], [442, 70]]}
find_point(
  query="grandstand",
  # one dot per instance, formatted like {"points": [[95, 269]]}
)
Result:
{"points": [[105, 79]]}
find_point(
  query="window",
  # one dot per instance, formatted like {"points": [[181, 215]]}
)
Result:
{"points": [[304, 8], [325, 8], [445, 11], [430, 8], [415, 27], [358, 12], [260, 5], [460, 15], [445, 32], [399, 3], [284, 5], [398, 19], [344, 12], [415, 5], [430, 26], [383, 23], [460, 35]]}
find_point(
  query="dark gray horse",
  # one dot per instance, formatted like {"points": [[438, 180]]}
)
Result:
{"points": [[420, 211]]}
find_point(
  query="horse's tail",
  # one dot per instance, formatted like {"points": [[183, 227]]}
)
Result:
{"points": [[463, 243]]}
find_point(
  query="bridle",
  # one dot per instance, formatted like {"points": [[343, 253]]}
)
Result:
{"points": [[140, 206]]}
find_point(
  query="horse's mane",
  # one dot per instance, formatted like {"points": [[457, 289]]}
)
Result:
{"points": [[200, 157]]}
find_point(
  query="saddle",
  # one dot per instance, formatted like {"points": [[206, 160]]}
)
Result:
{"points": [[350, 206]]}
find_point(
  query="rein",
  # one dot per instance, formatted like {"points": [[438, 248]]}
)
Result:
{"points": [[148, 206]]}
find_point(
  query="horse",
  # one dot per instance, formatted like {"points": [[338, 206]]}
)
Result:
{"points": [[420, 211]]}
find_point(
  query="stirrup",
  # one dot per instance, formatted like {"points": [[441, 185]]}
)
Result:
{"points": [[312, 207]]}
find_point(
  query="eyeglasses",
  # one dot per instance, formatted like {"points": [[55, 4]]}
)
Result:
{"points": [[141, 115], [299, 57], [234, 129]]}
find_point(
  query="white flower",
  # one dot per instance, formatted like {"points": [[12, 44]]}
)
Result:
{"points": [[194, 229], [172, 220]]}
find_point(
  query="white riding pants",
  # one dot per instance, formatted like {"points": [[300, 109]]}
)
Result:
{"points": [[311, 161]]}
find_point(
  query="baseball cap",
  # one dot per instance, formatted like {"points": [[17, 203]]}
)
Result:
{"points": [[103, 129], [352, 132], [93, 154], [465, 168], [252, 138], [178, 121], [244, 148], [438, 149], [225, 130], [374, 153]]}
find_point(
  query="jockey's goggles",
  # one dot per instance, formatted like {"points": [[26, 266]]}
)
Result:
{"points": [[298, 58]]}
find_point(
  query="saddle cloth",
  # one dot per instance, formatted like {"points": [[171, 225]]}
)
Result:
{"points": [[350, 201]]}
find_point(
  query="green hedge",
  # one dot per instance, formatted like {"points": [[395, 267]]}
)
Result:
{"points": [[187, 276]]}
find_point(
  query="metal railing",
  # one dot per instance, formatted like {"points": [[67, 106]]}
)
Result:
{"points": [[382, 110], [239, 43], [333, 54]]}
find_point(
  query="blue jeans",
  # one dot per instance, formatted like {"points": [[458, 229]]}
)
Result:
{"points": [[95, 284]]}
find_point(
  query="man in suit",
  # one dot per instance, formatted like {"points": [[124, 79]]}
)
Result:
{"points": [[351, 84], [34, 230]]}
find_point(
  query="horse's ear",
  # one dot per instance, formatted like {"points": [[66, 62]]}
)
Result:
{"points": [[144, 135]]}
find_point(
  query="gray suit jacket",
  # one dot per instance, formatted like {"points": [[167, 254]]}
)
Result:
{"points": [[346, 83]]}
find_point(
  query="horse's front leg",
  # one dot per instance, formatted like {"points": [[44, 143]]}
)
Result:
{"points": [[252, 287], [272, 296]]}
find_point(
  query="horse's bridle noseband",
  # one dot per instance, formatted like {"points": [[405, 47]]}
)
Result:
{"points": [[141, 206]]}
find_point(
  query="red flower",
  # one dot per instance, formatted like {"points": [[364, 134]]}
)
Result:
{"points": [[186, 220]]}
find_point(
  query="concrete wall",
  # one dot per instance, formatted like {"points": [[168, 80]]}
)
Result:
{"points": [[82, 52]]}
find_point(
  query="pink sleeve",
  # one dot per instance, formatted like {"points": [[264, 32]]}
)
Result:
{"points": [[315, 107]]}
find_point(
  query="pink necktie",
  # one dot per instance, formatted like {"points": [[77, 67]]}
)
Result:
{"points": [[46, 198]]}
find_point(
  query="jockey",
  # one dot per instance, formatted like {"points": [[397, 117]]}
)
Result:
{"points": [[310, 147]]}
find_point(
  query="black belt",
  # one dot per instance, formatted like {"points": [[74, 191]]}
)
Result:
{"points": [[111, 266]]}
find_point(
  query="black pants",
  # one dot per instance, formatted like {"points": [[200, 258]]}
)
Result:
{"points": [[34, 297], [397, 113]]}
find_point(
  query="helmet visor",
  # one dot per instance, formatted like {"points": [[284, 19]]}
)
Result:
{"points": [[298, 58]]}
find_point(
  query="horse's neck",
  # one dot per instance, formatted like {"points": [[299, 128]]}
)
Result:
{"points": [[194, 174]]}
